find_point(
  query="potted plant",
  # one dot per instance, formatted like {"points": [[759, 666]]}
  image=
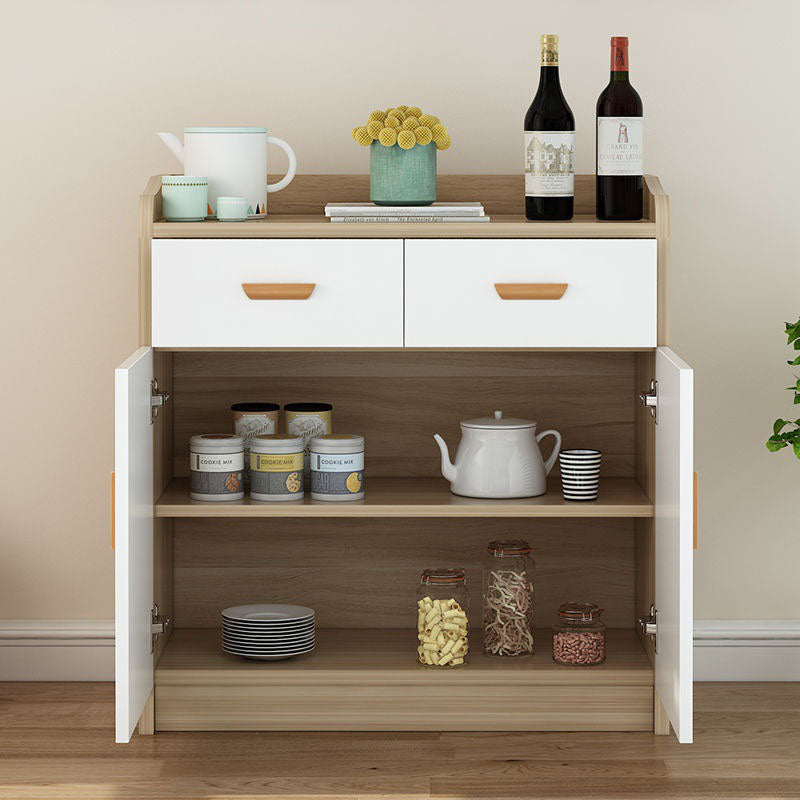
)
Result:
{"points": [[403, 143], [783, 436]]}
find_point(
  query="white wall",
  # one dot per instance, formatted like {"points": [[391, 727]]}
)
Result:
{"points": [[86, 85]]}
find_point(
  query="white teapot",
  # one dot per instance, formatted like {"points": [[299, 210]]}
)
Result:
{"points": [[498, 457]]}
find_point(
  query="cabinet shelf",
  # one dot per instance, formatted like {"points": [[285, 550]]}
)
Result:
{"points": [[417, 497], [370, 680]]}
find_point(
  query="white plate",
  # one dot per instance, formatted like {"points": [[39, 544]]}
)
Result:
{"points": [[242, 651], [254, 657], [260, 626], [268, 612], [285, 643]]}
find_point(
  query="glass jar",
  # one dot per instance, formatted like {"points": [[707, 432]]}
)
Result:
{"points": [[579, 635], [442, 623], [508, 599]]}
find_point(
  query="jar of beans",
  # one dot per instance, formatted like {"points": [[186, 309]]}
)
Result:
{"points": [[442, 623], [579, 635]]}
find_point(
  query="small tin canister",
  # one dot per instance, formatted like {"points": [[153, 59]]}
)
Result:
{"points": [[308, 420], [337, 467], [216, 467], [276, 467], [253, 419]]}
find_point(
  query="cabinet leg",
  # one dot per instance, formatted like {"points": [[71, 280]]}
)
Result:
{"points": [[147, 722], [660, 719]]}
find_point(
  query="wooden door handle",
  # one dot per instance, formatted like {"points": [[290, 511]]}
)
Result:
{"points": [[279, 291], [531, 291], [113, 510]]}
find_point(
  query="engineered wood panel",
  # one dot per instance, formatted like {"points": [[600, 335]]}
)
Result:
{"points": [[359, 569]]}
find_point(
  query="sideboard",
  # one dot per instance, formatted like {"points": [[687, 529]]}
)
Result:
{"points": [[406, 329]]}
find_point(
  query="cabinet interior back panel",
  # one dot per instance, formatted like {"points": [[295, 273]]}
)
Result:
{"points": [[359, 573], [398, 400]]}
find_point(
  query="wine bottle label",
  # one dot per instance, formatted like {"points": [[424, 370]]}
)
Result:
{"points": [[549, 163], [620, 146]]}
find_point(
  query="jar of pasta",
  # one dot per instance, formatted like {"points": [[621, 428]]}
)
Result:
{"points": [[579, 635], [442, 621], [508, 599]]}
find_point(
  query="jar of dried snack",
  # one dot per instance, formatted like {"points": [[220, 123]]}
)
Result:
{"points": [[579, 635], [508, 599], [216, 467], [442, 622], [276, 467]]}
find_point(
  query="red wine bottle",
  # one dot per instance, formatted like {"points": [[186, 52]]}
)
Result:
{"points": [[620, 134], [549, 144]]}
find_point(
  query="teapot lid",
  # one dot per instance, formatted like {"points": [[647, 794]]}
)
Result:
{"points": [[498, 422]]}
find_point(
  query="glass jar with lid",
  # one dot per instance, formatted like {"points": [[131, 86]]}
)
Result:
{"points": [[442, 618], [508, 599], [579, 635]]}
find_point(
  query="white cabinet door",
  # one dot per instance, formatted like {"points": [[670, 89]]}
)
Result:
{"points": [[507, 293], [674, 534], [133, 557], [232, 293]]}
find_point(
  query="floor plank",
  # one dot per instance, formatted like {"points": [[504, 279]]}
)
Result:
{"points": [[56, 741]]}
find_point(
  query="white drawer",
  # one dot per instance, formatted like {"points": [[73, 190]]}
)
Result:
{"points": [[609, 301], [199, 299]]}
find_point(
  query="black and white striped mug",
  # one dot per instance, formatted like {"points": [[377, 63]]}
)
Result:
{"points": [[580, 474]]}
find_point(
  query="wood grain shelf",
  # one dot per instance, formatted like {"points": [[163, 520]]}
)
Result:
{"points": [[417, 497], [370, 680], [282, 226]]}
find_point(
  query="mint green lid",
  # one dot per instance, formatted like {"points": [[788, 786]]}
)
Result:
{"points": [[214, 129], [184, 180]]}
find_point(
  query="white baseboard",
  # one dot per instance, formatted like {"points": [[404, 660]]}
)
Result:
{"points": [[56, 650], [747, 650]]}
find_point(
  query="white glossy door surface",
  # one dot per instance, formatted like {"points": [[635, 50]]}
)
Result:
{"points": [[134, 539], [674, 538]]}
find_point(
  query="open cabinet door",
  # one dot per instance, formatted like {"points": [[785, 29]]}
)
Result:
{"points": [[134, 539], [674, 532]]}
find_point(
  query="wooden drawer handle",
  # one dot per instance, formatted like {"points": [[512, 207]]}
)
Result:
{"points": [[279, 291], [531, 291]]}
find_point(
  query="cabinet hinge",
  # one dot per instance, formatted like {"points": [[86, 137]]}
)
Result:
{"points": [[650, 399], [157, 399], [158, 626], [648, 626]]}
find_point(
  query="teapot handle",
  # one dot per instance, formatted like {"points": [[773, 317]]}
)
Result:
{"points": [[548, 465]]}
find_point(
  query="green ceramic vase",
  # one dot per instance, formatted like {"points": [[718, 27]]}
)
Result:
{"points": [[400, 177]]}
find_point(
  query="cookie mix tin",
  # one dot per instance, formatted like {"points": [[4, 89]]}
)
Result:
{"points": [[276, 467], [216, 467], [308, 420], [253, 419], [337, 467]]}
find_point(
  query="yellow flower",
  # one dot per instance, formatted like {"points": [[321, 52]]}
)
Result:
{"points": [[442, 140], [438, 128], [415, 111], [401, 108], [406, 139], [355, 132], [428, 119], [388, 137], [377, 114], [362, 136], [374, 128], [392, 121], [409, 123], [423, 135]]}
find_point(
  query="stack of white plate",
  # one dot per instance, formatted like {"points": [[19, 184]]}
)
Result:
{"points": [[268, 632]]}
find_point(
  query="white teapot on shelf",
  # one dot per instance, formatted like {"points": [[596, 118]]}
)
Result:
{"points": [[498, 457], [235, 162]]}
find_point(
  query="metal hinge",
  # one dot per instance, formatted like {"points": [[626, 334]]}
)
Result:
{"points": [[157, 399], [158, 625], [650, 399], [648, 626]]}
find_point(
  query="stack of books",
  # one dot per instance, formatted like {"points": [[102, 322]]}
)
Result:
{"points": [[437, 212]]}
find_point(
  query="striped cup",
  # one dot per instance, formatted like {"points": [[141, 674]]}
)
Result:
{"points": [[580, 474]]}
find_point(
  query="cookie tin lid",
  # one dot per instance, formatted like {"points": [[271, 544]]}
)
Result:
{"points": [[255, 408], [337, 443], [498, 422], [307, 408], [216, 443], [276, 443]]}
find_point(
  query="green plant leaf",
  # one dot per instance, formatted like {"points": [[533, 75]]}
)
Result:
{"points": [[779, 425], [773, 445], [794, 362], [796, 447]]}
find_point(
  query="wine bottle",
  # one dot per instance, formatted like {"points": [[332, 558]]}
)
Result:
{"points": [[620, 134], [549, 144]]}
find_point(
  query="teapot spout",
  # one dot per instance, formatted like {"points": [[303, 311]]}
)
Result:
{"points": [[448, 469], [173, 143]]}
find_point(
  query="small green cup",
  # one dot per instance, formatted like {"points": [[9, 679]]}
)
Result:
{"points": [[400, 177]]}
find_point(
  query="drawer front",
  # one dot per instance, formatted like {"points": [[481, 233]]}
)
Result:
{"points": [[200, 293], [609, 299]]}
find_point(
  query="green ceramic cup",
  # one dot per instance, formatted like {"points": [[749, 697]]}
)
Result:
{"points": [[184, 198], [400, 177]]}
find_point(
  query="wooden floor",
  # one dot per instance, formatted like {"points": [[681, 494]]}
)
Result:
{"points": [[56, 741]]}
